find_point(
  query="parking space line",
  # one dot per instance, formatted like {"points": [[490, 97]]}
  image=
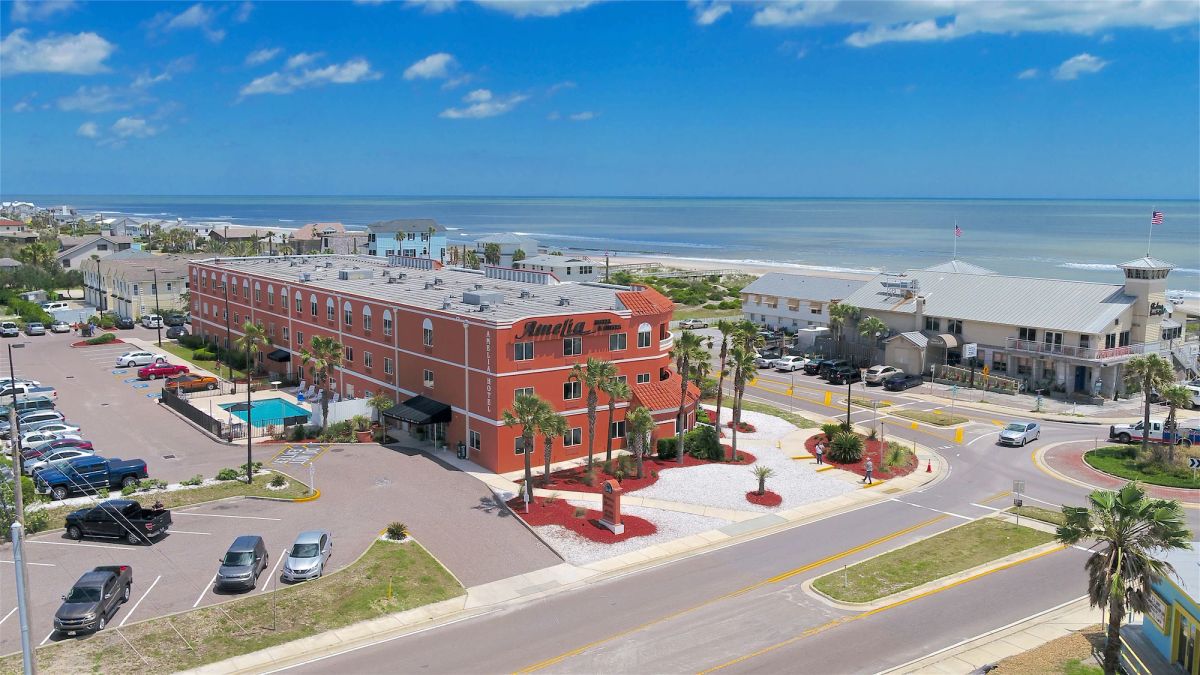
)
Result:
{"points": [[204, 592], [186, 532], [30, 563], [72, 543], [282, 555], [46, 639], [139, 602], [10, 613], [222, 515]]}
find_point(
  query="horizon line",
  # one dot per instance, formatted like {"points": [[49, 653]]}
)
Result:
{"points": [[599, 196]]}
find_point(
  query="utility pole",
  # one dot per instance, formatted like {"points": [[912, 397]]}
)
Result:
{"points": [[157, 308], [17, 532], [225, 287]]}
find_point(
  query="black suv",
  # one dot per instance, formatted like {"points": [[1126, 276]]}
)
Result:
{"points": [[827, 367], [844, 375], [902, 381]]}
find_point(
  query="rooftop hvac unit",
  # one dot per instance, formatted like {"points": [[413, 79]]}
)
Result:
{"points": [[328, 264], [392, 280], [484, 306], [526, 294], [564, 302], [428, 285], [480, 298], [478, 286], [355, 273], [402, 275], [446, 304], [292, 263], [305, 276], [437, 281]]}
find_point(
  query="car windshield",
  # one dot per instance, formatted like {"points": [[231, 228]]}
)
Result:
{"points": [[1015, 427], [78, 594], [305, 550], [238, 559]]}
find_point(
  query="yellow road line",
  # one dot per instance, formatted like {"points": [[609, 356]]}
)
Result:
{"points": [[998, 495], [998, 423], [775, 579], [847, 619]]}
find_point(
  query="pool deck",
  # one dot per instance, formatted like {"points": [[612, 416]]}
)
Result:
{"points": [[212, 404]]}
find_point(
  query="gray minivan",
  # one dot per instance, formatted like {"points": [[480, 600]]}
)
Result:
{"points": [[243, 562]]}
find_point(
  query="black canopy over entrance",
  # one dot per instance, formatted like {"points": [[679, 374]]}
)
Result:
{"points": [[280, 355], [419, 410]]}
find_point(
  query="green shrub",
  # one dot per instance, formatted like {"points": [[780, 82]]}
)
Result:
{"points": [[129, 489], [102, 339], [832, 429], [666, 447], [703, 443], [897, 455], [607, 467], [298, 432], [228, 474], [278, 481], [397, 530], [191, 341], [151, 484], [588, 478], [338, 432], [845, 449], [194, 480], [204, 354], [108, 321]]}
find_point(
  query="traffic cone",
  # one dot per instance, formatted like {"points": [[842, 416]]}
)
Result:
{"points": [[929, 466]]}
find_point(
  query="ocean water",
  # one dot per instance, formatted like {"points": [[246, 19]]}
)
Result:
{"points": [[1075, 239]]}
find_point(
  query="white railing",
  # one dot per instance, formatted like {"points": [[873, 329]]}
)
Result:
{"points": [[666, 343], [1107, 354]]}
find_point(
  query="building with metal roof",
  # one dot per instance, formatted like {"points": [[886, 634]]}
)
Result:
{"points": [[778, 300], [407, 237], [563, 267], [959, 266]]}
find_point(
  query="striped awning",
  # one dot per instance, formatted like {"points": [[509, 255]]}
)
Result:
{"points": [[945, 340]]}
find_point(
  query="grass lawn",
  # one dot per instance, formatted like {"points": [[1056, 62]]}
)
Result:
{"points": [[176, 498], [390, 577], [938, 419], [1115, 460], [684, 312], [941, 555], [1052, 516], [211, 366], [864, 402], [801, 422]]}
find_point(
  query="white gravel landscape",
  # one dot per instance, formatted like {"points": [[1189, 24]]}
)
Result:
{"points": [[766, 427], [671, 525]]}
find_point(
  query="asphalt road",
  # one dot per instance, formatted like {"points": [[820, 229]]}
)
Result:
{"points": [[726, 610]]}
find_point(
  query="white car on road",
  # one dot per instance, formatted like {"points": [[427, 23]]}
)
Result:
{"points": [[1020, 433], [789, 364], [137, 359]]}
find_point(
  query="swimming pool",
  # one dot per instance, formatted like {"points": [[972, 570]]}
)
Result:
{"points": [[271, 411]]}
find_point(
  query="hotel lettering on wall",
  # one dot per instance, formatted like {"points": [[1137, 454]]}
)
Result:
{"points": [[566, 328], [487, 360]]}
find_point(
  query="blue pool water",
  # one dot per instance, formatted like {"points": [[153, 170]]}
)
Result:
{"points": [[269, 411]]}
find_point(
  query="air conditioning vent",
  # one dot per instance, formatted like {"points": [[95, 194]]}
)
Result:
{"points": [[438, 281], [478, 286], [428, 285], [484, 306], [328, 264], [446, 304], [564, 302], [526, 294]]}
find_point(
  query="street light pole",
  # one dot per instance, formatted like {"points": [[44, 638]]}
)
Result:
{"points": [[157, 308], [849, 391], [225, 287], [18, 527]]}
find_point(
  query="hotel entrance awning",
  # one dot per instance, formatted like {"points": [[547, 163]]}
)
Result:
{"points": [[945, 340], [280, 355], [419, 410]]}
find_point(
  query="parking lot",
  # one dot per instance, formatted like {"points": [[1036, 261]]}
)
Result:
{"points": [[363, 487]]}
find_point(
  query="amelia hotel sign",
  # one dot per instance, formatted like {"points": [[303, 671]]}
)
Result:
{"points": [[566, 328]]}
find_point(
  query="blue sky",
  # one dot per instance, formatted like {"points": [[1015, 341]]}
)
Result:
{"points": [[940, 99]]}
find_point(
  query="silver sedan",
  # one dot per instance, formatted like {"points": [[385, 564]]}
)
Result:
{"points": [[308, 556]]}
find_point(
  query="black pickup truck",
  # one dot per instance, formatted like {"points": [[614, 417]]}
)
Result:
{"points": [[94, 599], [119, 519]]}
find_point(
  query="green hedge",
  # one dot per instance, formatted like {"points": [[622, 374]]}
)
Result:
{"points": [[701, 442], [102, 339], [846, 448]]}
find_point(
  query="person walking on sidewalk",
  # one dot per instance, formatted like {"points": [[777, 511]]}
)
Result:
{"points": [[868, 469], [819, 451]]}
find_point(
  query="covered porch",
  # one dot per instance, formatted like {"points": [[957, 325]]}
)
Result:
{"points": [[419, 418]]}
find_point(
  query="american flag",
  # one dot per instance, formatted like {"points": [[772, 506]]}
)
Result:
{"points": [[957, 231], [1156, 217]]}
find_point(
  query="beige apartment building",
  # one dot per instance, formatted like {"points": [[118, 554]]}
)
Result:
{"points": [[124, 283]]}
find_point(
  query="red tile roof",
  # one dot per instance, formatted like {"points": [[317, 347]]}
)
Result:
{"points": [[663, 394], [5, 222], [646, 301]]}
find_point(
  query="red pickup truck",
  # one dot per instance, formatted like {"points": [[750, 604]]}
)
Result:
{"points": [[160, 369]]}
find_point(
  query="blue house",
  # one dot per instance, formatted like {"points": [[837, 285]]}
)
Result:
{"points": [[408, 237], [1168, 640]]}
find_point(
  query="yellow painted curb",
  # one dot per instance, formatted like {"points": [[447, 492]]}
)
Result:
{"points": [[803, 457], [313, 497], [874, 484], [826, 468]]}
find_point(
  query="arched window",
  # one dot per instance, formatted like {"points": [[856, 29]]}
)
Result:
{"points": [[387, 322], [644, 335], [329, 309], [299, 302], [257, 292], [347, 314], [367, 318], [245, 288], [271, 295], [312, 304], [427, 333]]}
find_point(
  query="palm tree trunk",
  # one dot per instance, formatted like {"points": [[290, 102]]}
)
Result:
{"points": [[720, 390], [591, 403], [762, 485], [737, 416], [1112, 647], [527, 443], [548, 449], [679, 419], [612, 410], [324, 397], [639, 451]]}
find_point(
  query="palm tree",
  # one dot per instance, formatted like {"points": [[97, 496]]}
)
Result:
{"points": [[728, 329], [872, 328], [840, 315], [325, 354], [551, 425], [253, 339], [1130, 531], [1176, 396], [491, 253], [744, 370], [1150, 373], [593, 375], [688, 348], [525, 413], [616, 390], [762, 473], [36, 254], [638, 425]]}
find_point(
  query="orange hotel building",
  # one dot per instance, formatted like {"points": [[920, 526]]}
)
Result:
{"points": [[453, 347]]}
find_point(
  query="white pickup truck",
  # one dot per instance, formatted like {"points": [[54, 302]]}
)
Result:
{"points": [[26, 390], [1185, 434]]}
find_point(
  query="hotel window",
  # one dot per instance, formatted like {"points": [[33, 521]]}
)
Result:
{"points": [[257, 292], [271, 295], [299, 338], [623, 379], [572, 389], [285, 334], [519, 445], [523, 391], [245, 288], [617, 430], [427, 333], [793, 305], [1052, 338], [299, 302], [387, 322], [574, 436], [1027, 334], [617, 342], [1124, 341], [573, 346], [999, 362], [954, 326], [933, 324], [1110, 340], [586, 269], [427, 377], [368, 361], [644, 335], [347, 314], [349, 354], [329, 309], [366, 319], [237, 319], [643, 378], [474, 440], [523, 351], [387, 366], [1085, 341], [312, 305]]}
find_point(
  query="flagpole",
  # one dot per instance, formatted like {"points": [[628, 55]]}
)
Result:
{"points": [[1151, 233], [955, 255]]}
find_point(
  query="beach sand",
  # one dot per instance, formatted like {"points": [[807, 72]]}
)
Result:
{"points": [[757, 270]]}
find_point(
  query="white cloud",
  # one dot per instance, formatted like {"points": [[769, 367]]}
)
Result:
{"points": [[24, 11], [88, 130], [793, 49], [199, 16], [433, 6], [78, 54], [535, 8], [553, 116], [435, 66], [25, 104], [1080, 64], [1028, 74], [483, 103], [243, 12], [261, 56], [584, 116], [133, 127], [95, 100], [925, 20], [349, 72], [146, 80], [302, 59], [559, 86], [708, 13]]}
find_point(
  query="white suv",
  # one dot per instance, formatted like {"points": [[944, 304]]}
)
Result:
{"points": [[9, 329], [152, 321], [137, 359]]}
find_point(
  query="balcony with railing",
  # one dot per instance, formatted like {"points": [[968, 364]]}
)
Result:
{"points": [[666, 343], [1085, 353]]}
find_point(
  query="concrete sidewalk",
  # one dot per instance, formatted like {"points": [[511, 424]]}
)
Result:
{"points": [[1022, 406], [1015, 638]]}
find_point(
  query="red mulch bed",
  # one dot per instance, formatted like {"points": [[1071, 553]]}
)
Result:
{"points": [[743, 428], [767, 498], [83, 343], [572, 479], [870, 450], [559, 512]]}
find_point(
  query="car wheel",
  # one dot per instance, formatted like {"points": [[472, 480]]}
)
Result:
{"points": [[210, 386], [59, 492], [1123, 437], [1024, 441], [127, 481], [152, 376], [73, 532], [103, 622], [1187, 443], [133, 538], [125, 595]]}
